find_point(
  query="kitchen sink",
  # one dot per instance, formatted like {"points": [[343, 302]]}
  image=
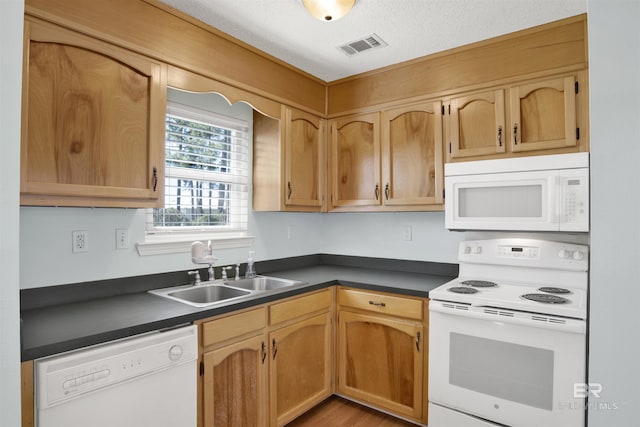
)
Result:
{"points": [[220, 291], [208, 294], [263, 283]]}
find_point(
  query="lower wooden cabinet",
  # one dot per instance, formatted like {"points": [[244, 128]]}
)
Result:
{"points": [[235, 384], [381, 357], [267, 365], [300, 368]]}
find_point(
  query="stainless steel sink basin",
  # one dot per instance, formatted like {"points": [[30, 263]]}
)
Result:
{"points": [[208, 294], [263, 283], [211, 293]]}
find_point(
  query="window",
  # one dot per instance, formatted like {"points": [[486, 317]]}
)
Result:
{"points": [[206, 177]]}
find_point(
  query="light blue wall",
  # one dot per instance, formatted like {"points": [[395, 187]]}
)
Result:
{"points": [[11, 13], [45, 233], [614, 57]]}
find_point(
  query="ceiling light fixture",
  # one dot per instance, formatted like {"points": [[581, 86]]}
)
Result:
{"points": [[328, 10]]}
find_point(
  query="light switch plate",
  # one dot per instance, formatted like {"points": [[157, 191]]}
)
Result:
{"points": [[122, 238]]}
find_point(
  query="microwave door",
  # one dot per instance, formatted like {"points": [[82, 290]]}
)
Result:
{"points": [[503, 201]]}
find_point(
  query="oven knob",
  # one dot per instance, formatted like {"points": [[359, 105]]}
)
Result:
{"points": [[564, 254], [467, 249], [477, 249], [578, 255]]}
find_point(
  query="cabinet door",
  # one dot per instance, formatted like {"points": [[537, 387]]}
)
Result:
{"points": [[300, 370], [93, 122], [543, 115], [234, 390], [380, 362], [477, 125], [304, 159], [355, 160], [412, 155]]}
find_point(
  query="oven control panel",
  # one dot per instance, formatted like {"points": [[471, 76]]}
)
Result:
{"points": [[526, 253]]}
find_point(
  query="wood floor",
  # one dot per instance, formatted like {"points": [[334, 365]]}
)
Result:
{"points": [[338, 412]]}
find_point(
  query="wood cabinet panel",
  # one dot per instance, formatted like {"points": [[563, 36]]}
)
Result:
{"points": [[380, 362], [556, 45], [305, 164], [233, 326], [234, 388], [93, 122], [289, 162], [477, 124], [300, 368], [355, 157], [543, 114], [301, 306], [381, 303], [412, 164]]}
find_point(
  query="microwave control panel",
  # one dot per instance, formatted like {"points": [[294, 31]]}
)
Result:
{"points": [[574, 201]]}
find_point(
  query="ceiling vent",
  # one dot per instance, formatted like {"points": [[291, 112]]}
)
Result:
{"points": [[363, 45]]}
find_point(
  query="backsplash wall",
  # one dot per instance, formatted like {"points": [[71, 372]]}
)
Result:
{"points": [[46, 258]]}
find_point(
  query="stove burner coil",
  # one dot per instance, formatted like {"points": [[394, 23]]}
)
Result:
{"points": [[554, 290], [462, 290], [479, 283], [546, 298]]}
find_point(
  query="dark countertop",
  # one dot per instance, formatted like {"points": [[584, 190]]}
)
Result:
{"points": [[62, 327]]}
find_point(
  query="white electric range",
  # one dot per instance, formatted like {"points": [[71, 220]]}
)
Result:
{"points": [[507, 338]]}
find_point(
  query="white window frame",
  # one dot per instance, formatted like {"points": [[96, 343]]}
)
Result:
{"points": [[164, 240]]}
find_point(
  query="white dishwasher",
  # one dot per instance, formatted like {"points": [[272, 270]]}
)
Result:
{"points": [[146, 380]]}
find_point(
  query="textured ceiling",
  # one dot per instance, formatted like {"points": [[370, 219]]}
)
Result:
{"points": [[412, 28]]}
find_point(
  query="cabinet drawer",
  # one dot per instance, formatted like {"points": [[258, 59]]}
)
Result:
{"points": [[381, 303], [299, 306], [233, 326]]}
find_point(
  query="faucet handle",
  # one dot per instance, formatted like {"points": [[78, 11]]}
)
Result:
{"points": [[196, 275], [224, 272]]}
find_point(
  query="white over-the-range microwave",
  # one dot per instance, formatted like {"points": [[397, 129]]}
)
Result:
{"points": [[537, 193]]}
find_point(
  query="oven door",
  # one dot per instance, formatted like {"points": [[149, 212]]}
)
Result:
{"points": [[508, 367]]}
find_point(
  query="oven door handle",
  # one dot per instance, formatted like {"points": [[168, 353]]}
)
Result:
{"points": [[501, 315]]}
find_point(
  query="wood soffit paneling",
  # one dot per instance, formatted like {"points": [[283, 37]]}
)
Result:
{"points": [[180, 40]]}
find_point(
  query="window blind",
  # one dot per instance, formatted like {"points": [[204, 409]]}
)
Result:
{"points": [[206, 173]]}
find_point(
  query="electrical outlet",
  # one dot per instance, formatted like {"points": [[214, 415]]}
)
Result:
{"points": [[289, 232], [406, 233], [79, 241], [122, 238]]}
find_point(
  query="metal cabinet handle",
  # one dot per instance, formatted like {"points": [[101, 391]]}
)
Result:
{"points": [[386, 191], [289, 190], [379, 304], [418, 341], [264, 352], [499, 136], [275, 348], [155, 178], [377, 191], [515, 133]]}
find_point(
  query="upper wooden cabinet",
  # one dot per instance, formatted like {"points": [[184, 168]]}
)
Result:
{"points": [[304, 159], [545, 115], [289, 162], [388, 161], [412, 164], [93, 122], [477, 124], [355, 161]]}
